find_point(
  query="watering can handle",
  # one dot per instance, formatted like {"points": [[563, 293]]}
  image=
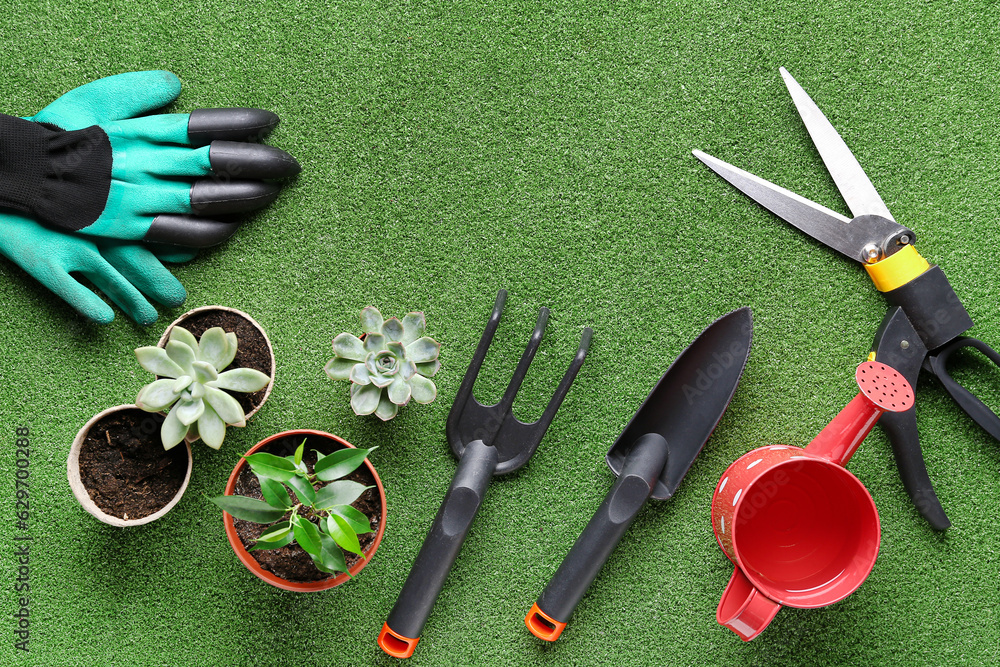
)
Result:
{"points": [[744, 609]]}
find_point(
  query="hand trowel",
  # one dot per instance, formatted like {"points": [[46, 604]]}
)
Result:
{"points": [[650, 458]]}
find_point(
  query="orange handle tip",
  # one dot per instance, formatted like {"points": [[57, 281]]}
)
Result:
{"points": [[396, 644], [542, 625]]}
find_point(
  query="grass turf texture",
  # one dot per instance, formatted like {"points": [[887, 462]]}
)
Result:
{"points": [[450, 150]]}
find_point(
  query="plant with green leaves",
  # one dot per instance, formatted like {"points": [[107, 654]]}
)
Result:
{"points": [[312, 509], [392, 364], [193, 386]]}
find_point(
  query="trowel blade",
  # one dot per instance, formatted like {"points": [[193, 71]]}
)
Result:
{"points": [[689, 400]]}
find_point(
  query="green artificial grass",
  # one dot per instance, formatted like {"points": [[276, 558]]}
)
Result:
{"points": [[449, 150]]}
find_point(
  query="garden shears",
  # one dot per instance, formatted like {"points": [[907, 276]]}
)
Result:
{"points": [[926, 319]]}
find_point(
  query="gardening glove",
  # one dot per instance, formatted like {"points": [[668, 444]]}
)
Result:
{"points": [[123, 270], [88, 165]]}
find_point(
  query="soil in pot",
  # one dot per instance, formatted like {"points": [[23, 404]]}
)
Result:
{"points": [[124, 467], [252, 351], [292, 562]]}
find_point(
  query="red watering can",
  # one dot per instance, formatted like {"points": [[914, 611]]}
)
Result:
{"points": [[801, 530]]}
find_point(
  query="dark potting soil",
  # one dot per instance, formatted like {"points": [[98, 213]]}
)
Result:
{"points": [[124, 467], [292, 562], [252, 351]]}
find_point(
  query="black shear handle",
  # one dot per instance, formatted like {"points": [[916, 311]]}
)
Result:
{"points": [[975, 408], [898, 345]]}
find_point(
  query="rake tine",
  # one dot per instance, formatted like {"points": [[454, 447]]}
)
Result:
{"points": [[550, 410], [522, 366], [465, 389]]}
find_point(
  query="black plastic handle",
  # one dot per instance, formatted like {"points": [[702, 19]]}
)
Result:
{"points": [[440, 548], [642, 469], [966, 400], [898, 345]]}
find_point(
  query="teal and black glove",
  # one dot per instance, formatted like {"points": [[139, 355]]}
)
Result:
{"points": [[150, 178], [124, 270]]}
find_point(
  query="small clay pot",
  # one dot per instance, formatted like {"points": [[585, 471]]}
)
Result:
{"points": [[251, 563], [199, 320], [143, 469]]}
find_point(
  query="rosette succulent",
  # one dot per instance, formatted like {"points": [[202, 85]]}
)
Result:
{"points": [[390, 366], [193, 388]]}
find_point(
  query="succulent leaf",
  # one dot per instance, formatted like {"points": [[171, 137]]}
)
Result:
{"points": [[188, 410], [211, 427], [157, 396], [204, 372], [182, 383], [423, 350], [423, 390], [364, 398], [429, 368], [414, 326], [374, 342], [214, 348], [359, 374], [371, 320], [386, 409], [155, 360], [172, 431], [227, 407], [349, 347], [392, 329], [181, 354], [339, 368], [244, 380], [184, 336], [399, 391], [408, 369], [233, 346]]}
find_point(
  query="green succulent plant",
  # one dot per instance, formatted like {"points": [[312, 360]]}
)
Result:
{"points": [[193, 385], [393, 364]]}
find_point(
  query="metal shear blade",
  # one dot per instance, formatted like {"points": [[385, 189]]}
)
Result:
{"points": [[872, 235]]}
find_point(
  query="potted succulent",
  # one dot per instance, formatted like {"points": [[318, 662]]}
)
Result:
{"points": [[255, 350], [124, 467], [120, 473], [389, 364], [304, 510], [194, 390]]}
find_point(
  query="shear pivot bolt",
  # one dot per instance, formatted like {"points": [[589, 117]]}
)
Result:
{"points": [[870, 253], [904, 344]]}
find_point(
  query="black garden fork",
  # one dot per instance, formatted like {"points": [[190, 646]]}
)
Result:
{"points": [[488, 440]]}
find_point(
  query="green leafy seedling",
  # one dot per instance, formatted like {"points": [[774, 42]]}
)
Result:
{"points": [[322, 522]]}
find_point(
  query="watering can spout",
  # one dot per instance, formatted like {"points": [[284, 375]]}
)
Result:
{"points": [[882, 389]]}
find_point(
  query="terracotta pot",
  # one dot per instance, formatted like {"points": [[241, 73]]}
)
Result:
{"points": [[204, 309], [249, 561], [80, 491]]}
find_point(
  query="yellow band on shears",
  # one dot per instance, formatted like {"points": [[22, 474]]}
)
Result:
{"points": [[897, 270]]}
